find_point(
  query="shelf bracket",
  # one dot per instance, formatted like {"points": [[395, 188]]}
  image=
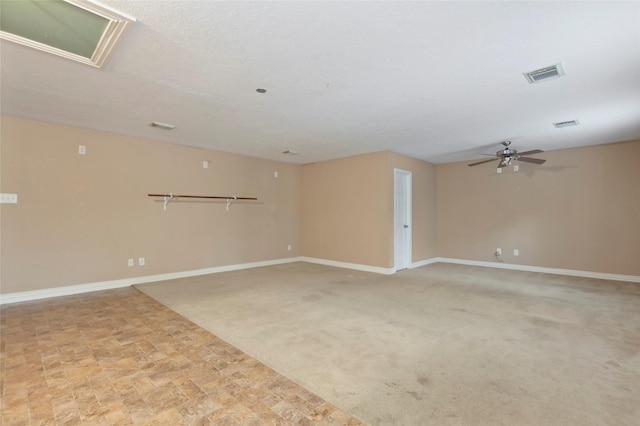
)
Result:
{"points": [[229, 201], [167, 198]]}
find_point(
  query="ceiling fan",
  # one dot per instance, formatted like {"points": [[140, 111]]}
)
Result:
{"points": [[507, 155]]}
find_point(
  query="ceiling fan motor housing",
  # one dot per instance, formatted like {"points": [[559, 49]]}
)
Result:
{"points": [[507, 153]]}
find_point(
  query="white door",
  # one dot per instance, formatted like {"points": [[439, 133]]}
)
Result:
{"points": [[402, 219]]}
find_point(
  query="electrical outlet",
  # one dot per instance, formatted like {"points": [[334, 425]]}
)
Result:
{"points": [[289, 247], [130, 262], [9, 198], [516, 252], [82, 150], [205, 164], [141, 261], [498, 251], [275, 174]]}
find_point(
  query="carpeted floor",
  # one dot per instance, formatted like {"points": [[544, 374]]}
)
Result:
{"points": [[438, 345]]}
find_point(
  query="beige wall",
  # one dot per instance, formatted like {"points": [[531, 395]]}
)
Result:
{"points": [[347, 209], [580, 210], [79, 218], [423, 211]]}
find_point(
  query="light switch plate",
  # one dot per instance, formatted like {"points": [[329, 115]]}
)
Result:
{"points": [[9, 198]]}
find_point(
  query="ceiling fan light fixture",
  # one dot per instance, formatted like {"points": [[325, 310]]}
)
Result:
{"points": [[507, 156]]}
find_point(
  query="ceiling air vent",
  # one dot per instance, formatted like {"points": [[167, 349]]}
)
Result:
{"points": [[566, 123], [544, 74], [163, 126]]}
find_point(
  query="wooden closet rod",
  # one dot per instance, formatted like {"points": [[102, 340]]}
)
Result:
{"points": [[170, 197], [201, 196]]}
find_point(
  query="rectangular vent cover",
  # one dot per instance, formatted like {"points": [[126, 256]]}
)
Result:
{"points": [[566, 123], [544, 74], [163, 126]]}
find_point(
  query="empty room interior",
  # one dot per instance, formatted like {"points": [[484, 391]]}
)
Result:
{"points": [[320, 213]]}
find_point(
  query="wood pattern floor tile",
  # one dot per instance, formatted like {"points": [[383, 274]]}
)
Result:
{"points": [[118, 357]]}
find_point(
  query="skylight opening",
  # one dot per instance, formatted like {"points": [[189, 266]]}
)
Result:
{"points": [[79, 30]]}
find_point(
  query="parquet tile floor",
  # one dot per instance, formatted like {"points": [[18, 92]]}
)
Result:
{"points": [[119, 357]]}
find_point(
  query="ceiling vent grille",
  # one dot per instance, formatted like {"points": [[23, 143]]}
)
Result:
{"points": [[163, 126], [544, 74], [566, 123]]}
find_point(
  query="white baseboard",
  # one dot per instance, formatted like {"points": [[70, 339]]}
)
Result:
{"points": [[544, 270], [424, 262], [355, 266], [25, 296]]}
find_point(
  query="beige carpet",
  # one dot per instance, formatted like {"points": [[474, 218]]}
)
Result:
{"points": [[438, 345]]}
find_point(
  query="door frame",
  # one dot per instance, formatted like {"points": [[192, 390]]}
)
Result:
{"points": [[405, 178]]}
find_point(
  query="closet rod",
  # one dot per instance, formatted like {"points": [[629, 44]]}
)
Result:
{"points": [[201, 196]]}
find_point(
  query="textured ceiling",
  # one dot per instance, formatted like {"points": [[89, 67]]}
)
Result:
{"points": [[439, 81]]}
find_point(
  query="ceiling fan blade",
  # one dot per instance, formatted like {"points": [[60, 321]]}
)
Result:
{"points": [[482, 162], [535, 151], [531, 160]]}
